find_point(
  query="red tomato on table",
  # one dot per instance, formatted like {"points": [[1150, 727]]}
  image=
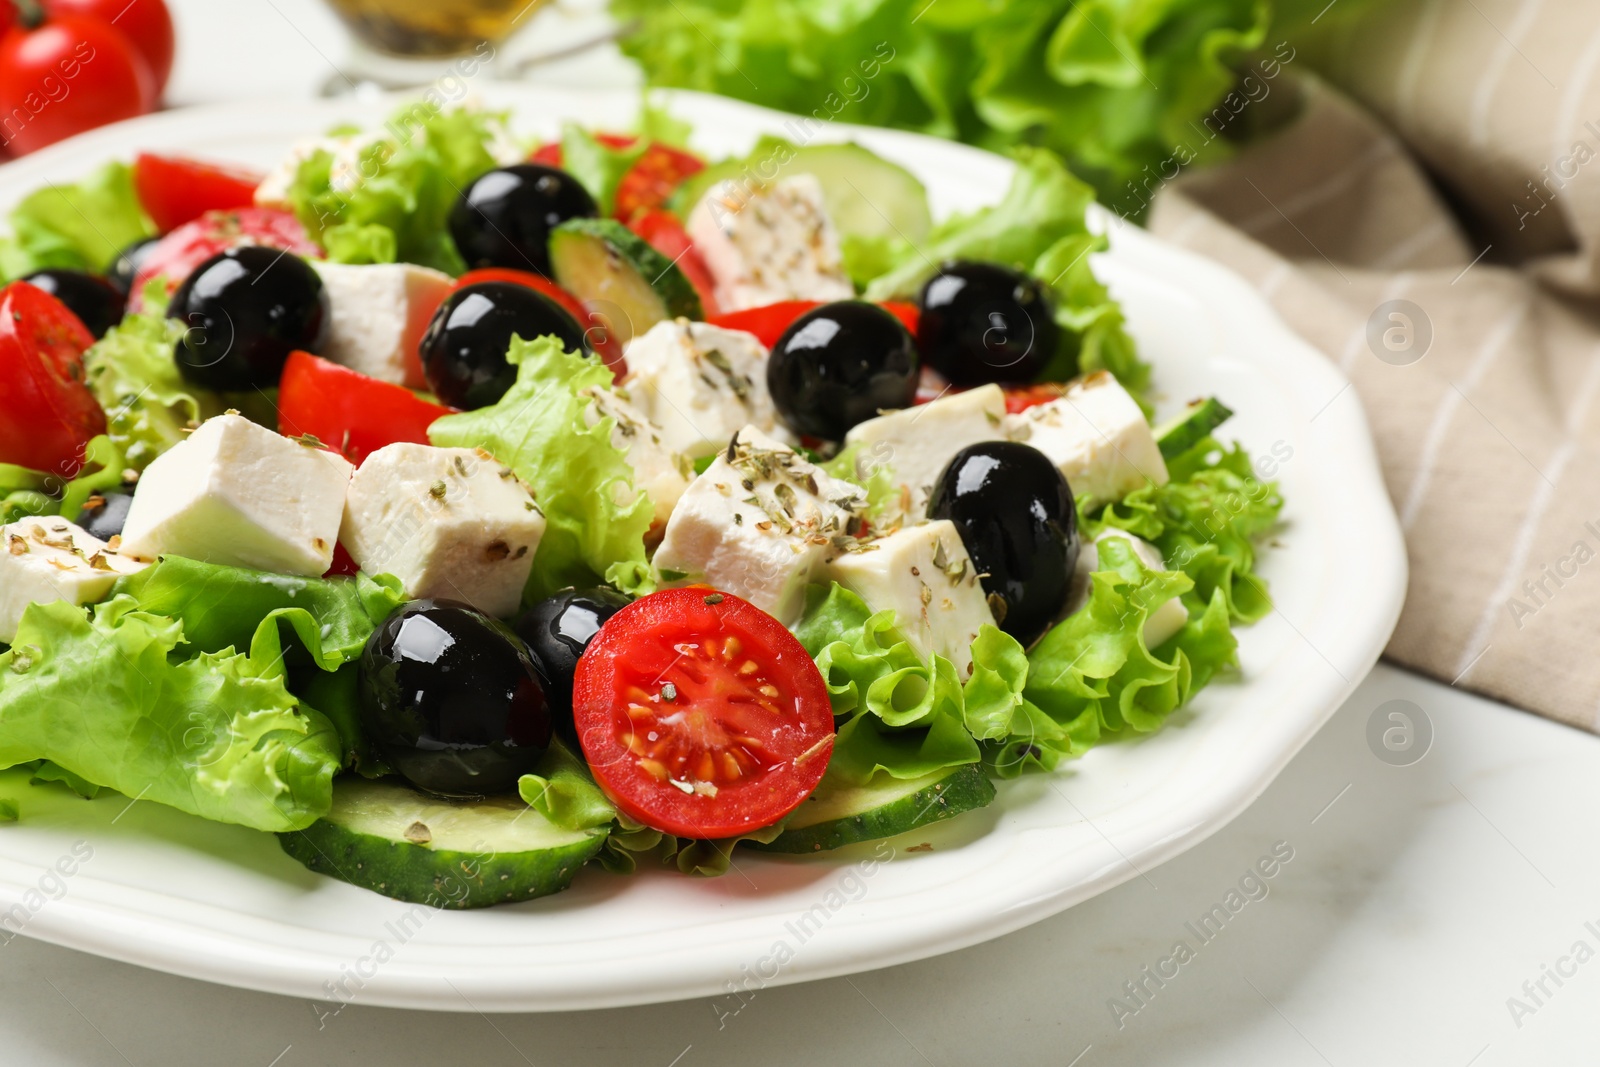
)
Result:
{"points": [[174, 189], [700, 715], [349, 412], [49, 412], [66, 75], [147, 24], [769, 321], [184, 249]]}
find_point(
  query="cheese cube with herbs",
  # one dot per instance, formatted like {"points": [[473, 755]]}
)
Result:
{"points": [[923, 574], [700, 383], [657, 469], [378, 313], [240, 494], [764, 243], [759, 523], [450, 523], [1097, 436], [1167, 618], [916, 444], [48, 559]]}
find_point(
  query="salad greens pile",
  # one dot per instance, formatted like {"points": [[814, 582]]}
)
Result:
{"points": [[83, 226]]}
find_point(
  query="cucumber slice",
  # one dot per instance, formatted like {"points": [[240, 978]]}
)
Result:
{"points": [[393, 840], [1183, 431], [835, 816], [866, 195], [617, 274]]}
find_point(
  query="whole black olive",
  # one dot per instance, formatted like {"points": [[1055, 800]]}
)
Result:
{"points": [[464, 351], [103, 515], [504, 218], [982, 323], [452, 699], [246, 309], [95, 301], [1015, 515], [557, 630], [126, 266], [839, 365]]}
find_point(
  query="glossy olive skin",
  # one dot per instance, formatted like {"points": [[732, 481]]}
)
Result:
{"points": [[246, 309], [504, 218], [105, 514], [1015, 515], [557, 630], [126, 266], [90, 297], [983, 323], [464, 351], [452, 699], [839, 365]]}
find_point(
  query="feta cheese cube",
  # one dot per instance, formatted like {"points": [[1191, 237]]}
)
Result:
{"points": [[657, 469], [47, 559], [378, 313], [238, 493], [1167, 618], [700, 383], [916, 444], [924, 575], [759, 523], [450, 523], [766, 243], [1097, 436]]}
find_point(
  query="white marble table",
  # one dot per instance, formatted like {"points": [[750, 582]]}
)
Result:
{"points": [[1419, 900]]}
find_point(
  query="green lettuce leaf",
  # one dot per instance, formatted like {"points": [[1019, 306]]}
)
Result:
{"points": [[595, 518], [598, 167], [47, 773], [218, 735], [84, 226], [149, 407]]}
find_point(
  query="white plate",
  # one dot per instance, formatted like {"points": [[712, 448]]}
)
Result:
{"points": [[222, 903]]}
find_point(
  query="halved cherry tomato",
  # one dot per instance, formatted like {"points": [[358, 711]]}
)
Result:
{"points": [[349, 412], [649, 183], [602, 340], [1020, 398], [50, 413], [700, 715], [175, 189], [191, 244], [663, 232], [769, 321]]}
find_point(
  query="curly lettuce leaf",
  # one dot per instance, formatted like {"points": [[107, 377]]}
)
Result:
{"points": [[83, 226], [595, 518], [218, 735], [149, 406]]}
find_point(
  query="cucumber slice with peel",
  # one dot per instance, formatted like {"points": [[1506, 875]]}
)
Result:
{"points": [[620, 277], [837, 815], [1186, 429], [388, 838]]}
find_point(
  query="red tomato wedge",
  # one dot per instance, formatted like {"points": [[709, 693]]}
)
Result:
{"points": [[649, 183], [351, 413], [1020, 398], [700, 715], [49, 412], [662, 231], [600, 339], [174, 189], [191, 244], [769, 322]]}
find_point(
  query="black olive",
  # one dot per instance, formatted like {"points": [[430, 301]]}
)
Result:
{"points": [[246, 309], [1015, 515], [983, 323], [839, 365], [104, 515], [452, 699], [505, 216], [557, 630], [126, 266], [94, 300], [464, 350]]}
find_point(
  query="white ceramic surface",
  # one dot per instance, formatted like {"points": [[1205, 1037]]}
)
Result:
{"points": [[221, 903]]}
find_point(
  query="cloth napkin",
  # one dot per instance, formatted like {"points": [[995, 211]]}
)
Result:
{"points": [[1430, 220]]}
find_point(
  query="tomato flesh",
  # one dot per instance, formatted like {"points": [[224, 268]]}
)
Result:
{"points": [[174, 190], [178, 253], [700, 715], [349, 412], [662, 231], [50, 412], [770, 320], [1020, 398], [648, 184]]}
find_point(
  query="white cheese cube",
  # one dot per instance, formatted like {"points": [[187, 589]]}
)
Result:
{"points": [[766, 243], [759, 523], [1097, 436], [924, 575], [378, 313], [47, 559], [916, 444], [700, 383], [657, 469], [450, 523], [236, 493], [1167, 618]]}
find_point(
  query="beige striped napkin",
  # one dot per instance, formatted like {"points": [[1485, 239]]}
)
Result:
{"points": [[1439, 239]]}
